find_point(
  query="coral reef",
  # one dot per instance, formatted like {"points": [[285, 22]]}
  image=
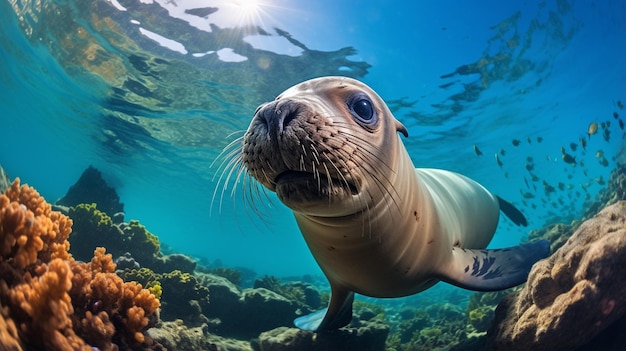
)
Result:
{"points": [[435, 327], [182, 296], [93, 228], [50, 301], [304, 295], [572, 296], [175, 335], [366, 336], [481, 307], [91, 187]]}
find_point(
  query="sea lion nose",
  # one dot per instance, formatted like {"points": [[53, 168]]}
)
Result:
{"points": [[277, 115]]}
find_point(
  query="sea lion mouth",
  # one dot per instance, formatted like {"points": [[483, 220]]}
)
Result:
{"points": [[318, 183]]}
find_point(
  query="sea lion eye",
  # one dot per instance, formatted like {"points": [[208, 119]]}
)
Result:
{"points": [[362, 109]]}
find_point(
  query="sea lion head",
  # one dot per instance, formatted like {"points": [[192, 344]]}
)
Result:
{"points": [[325, 146]]}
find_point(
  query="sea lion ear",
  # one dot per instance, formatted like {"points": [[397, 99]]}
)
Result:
{"points": [[402, 129]]}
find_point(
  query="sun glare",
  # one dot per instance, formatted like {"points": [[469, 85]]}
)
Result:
{"points": [[250, 12]]}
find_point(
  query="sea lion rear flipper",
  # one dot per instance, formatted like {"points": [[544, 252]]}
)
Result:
{"points": [[336, 315], [515, 215], [489, 270]]}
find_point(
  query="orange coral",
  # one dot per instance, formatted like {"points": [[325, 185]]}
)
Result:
{"points": [[47, 299], [97, 286], [9, 338]]}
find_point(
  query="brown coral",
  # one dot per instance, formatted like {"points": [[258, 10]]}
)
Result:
{"points": [[572, 296], [50, 301]]}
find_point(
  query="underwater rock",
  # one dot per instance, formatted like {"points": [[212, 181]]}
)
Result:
{"points": [[304, 295], [245, 314], [94, 228], [91, 188], [572, 296], [224, 301], [176, 335], [368, 336], [126, 261], [264, 310]]}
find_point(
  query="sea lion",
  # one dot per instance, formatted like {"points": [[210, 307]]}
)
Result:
{"points": [[329, 147]]}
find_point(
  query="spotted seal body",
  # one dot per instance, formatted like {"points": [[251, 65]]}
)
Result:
{"points": [[330, 149]]}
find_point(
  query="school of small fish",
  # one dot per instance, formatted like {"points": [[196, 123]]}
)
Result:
{"points": [[568, 156]]}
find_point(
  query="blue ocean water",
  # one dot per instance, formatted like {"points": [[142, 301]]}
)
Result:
{"points": [[150, 94]]}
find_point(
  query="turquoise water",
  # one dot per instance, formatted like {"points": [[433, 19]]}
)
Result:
{"points": [[84, 83]]}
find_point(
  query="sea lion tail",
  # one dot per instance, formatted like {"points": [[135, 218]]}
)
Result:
{"points": [[512, 212]]}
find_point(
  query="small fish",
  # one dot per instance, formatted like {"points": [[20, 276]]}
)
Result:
{"points": [[515, 142], [530, 166], [498, 160], [477, 151], [529, 141], [621, 124], [547, 188], [573, 146], [600, 181], [539, 139], [599, 154], [561, 186], [606, 134], [583, 143], [533, 177], [620, 104], [527, 195], [615, 115], [502, 152], [592, 129], [568, 158], [526, 181], [604, 162]]}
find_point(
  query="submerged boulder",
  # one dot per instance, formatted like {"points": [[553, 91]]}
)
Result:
{"points": [[367, 336], [176, 335], [92, 188], [572, 296]]}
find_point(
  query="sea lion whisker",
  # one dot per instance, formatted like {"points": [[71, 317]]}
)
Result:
{"points": [[379, 157], [224, 179], [233, 148]]}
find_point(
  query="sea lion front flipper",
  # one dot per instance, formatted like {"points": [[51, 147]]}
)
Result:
{"points": [[336, 315], [489, 270]]}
